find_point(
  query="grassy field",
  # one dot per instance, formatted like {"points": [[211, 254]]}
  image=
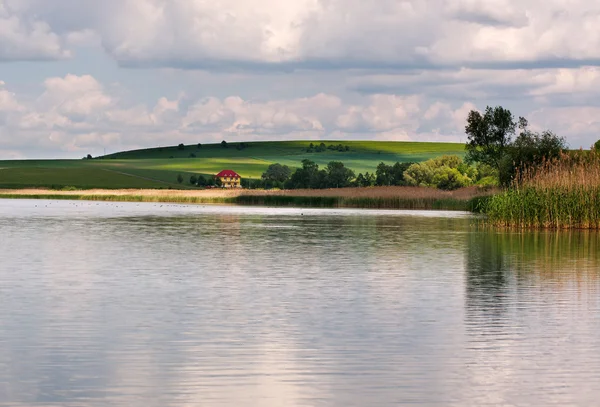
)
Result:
{"points": [[159, 167]]}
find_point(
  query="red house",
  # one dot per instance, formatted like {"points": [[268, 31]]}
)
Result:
{"points": [[229, 179]]}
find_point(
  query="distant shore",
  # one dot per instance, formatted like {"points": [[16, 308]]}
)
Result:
{"points": [[465, 199]]}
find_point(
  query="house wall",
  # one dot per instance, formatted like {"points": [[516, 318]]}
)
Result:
{"points": [[230, 182]]}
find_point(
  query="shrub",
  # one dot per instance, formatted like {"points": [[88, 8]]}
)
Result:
{"points": [[445, 172], [488, 182], [419, 174], [449, 179], [201, 181]]}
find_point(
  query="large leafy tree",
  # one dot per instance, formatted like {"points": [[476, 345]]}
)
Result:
{"points": [[490, 142], [306, 177], [529, 150], [489, 135], [384, 174], [277, 173], [597, 146], [338, 175]]}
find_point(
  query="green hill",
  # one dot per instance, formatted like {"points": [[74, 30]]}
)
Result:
{"points": [[159, 167]]}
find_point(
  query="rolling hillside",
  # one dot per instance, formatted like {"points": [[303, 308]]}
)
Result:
{"points": [[159, 167]]}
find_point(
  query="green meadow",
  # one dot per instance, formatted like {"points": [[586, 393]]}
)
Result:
{"points": [[159, 167]]}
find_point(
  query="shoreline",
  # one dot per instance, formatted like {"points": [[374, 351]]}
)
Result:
{"points": [[465, 199]]}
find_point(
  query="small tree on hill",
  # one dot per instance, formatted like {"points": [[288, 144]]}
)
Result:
{"points": [[179, 178], [193, 180], [224, 144], [181, 146]]}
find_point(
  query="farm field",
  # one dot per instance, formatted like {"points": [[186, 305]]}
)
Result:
{"points": [[159, 167]]}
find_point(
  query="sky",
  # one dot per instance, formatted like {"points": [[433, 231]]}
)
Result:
{"points": [[82, 77]]}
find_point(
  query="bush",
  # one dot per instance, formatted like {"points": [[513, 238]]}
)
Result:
{"points": [[193, 180], [449, 179], [179, 178], [201, 181], [181, 146], [488, 182], [419, 174], [445, 172]]}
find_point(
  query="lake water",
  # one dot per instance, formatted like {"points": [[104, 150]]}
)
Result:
{"points": [[125, 304]]}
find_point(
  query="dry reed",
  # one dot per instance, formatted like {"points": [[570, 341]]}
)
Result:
{"points": [[563, 193], [376, 197]]}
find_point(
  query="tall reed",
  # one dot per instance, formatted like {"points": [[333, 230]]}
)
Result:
{"points": [[436, 203], [563, 193]]}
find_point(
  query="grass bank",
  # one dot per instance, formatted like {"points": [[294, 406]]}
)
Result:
{"points": [[466, 199], [156, 168], [562, 194]]}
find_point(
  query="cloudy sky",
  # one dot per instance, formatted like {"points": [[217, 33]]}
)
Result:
{"points": [[82, 76]]}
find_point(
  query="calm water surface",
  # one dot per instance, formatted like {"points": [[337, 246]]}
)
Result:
{"points": [[163, 305]]}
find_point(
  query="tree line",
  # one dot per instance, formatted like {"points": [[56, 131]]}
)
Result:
{"points": [[446, 172]]}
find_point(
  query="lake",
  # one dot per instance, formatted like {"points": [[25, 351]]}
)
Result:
{"points": [[127, 304]]}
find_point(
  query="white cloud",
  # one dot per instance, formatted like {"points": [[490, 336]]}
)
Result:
{"points": [[74, 96], [308, 33], [580, 123], [383, 114], [23, 37], [78, 114], [8, 101]]}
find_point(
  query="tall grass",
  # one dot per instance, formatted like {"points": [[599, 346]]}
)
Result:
{"points": [[468, 199], [561, 194], [276, 200]]}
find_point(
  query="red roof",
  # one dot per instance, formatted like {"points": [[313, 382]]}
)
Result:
{"points": [[227, 173]]}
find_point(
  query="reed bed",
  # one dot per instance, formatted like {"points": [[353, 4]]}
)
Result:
{"points": [[467, 199], [561, 194]]}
